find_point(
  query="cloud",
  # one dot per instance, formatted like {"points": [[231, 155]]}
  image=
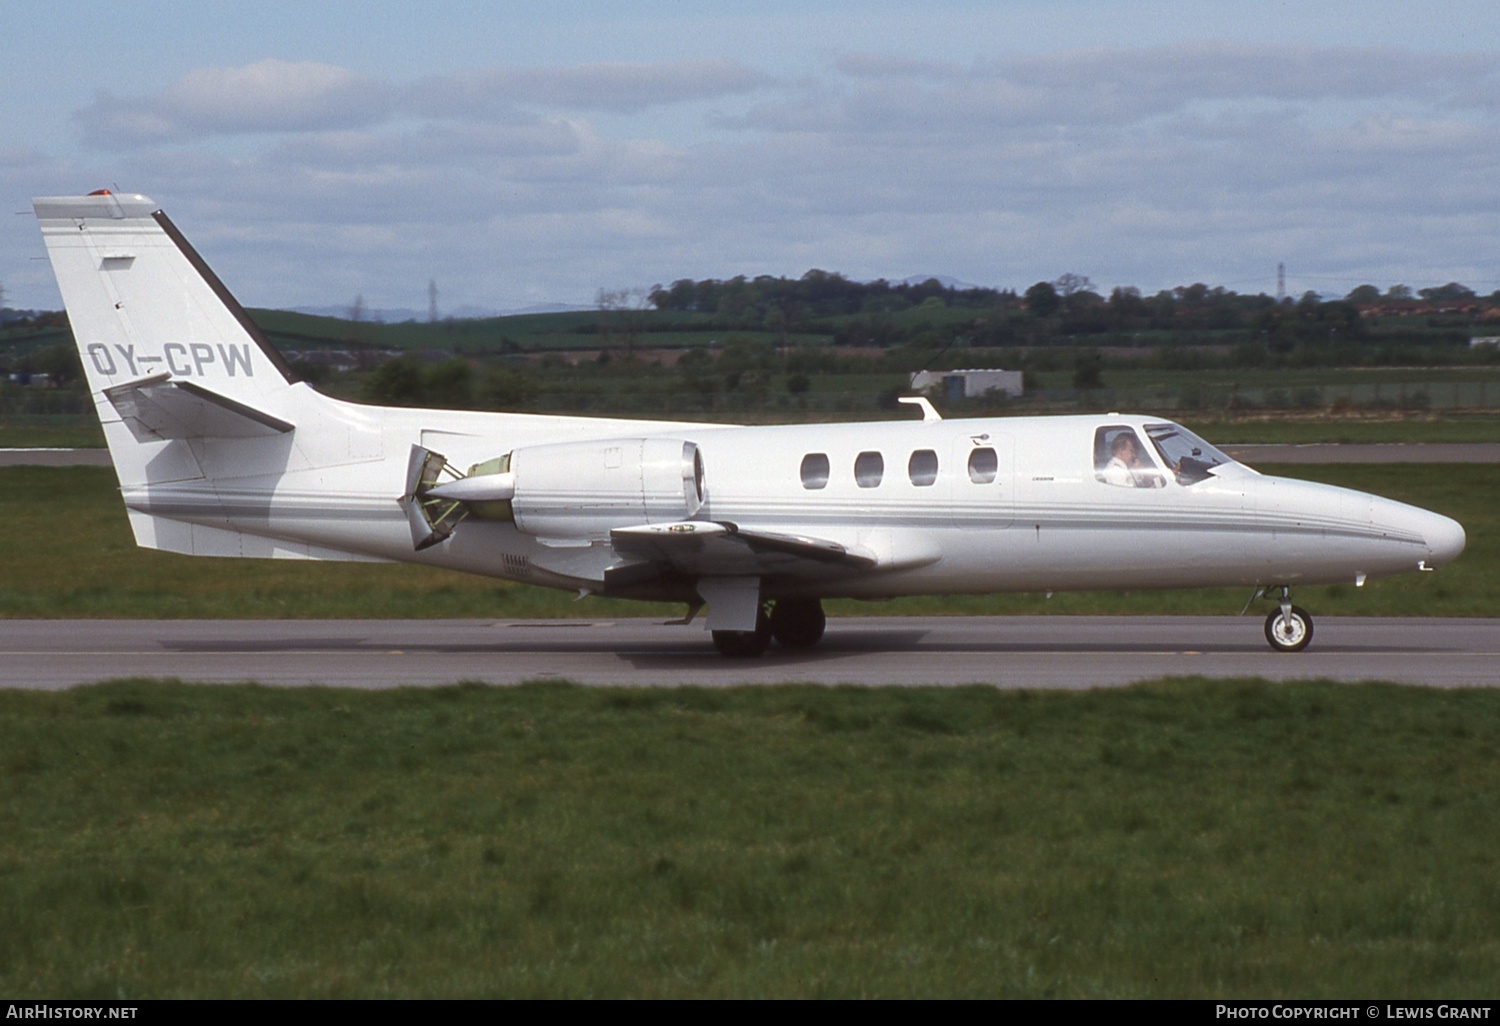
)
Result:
{"points": [[283, 97], [1116, 86], [613, 87], [1146, 166], [267, 96]]}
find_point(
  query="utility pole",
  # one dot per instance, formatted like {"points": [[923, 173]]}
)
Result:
{"points": [[431, 300], [1280, 282]]}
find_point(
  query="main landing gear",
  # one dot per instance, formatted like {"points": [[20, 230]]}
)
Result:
{"points": [[1289, 628], [793, 623]]}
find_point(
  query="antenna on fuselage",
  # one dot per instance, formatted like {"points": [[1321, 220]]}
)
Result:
{"points": [[921, 403]]}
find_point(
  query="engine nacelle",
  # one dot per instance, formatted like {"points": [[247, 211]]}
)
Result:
{"points": [[583, 489]]}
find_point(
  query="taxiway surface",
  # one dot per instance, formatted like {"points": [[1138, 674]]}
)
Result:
{"points": [[1013, 651]]}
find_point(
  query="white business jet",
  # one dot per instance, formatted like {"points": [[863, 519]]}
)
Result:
{"points": [[220, 452]]}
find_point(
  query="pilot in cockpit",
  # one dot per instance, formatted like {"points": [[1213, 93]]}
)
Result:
{"points": [[1124, 467]]}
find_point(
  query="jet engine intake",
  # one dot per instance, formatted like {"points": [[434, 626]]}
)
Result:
{"points": [[580, 490]]}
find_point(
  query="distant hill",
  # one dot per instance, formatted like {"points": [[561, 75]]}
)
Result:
{"points": [[463, 313]]}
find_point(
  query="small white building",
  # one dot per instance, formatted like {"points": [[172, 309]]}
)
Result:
{"points": [[1484, 340], [969, 384]]}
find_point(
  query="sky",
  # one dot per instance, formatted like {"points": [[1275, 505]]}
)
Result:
{"points": [[517, 154]]}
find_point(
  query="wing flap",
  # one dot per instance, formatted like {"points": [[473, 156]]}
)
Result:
{"points": [[699, 548]]}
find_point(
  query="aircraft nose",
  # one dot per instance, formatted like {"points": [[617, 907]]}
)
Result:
{"points": [[1445, 538]]}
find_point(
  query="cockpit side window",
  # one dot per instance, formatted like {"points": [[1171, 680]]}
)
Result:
{"points": [[1121, 460], [1190, 457]]}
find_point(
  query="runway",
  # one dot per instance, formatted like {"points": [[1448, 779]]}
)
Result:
{"points": [[1010, 652]]}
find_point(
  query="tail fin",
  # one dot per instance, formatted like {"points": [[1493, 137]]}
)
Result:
{"points": [[167, 351]]}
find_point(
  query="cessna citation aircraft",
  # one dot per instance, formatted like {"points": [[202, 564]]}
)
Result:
{"points": [[220, 452]]}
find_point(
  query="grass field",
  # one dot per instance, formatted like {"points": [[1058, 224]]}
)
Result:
{"points": [[77, 431], [68, 552], [82, 431], [1283, 430], [1177, 839]]}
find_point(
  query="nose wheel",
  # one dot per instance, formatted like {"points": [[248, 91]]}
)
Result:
{"points": [[1289, 628]]}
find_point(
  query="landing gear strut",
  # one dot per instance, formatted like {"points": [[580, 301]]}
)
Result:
{"points": [[745, 644], [1289, 628]]}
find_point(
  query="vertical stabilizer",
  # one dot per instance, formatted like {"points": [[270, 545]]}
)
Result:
{"points": [[168, 352], [142, 302]]}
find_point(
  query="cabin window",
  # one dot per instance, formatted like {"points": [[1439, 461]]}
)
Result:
{"points": [[922, 468], [983, 465], [815, 470], [869, 468], [1122, 461]]}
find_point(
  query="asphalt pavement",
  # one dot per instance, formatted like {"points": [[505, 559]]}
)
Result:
{"points": [[1007, 652]]}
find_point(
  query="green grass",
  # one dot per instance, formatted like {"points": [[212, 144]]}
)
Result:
{"points": [[82, 431], [68, 431], [68, 552], [1279, 430], [1177, 839]]}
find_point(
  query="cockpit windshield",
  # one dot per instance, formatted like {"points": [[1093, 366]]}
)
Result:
{"points": [[1190, 457]]}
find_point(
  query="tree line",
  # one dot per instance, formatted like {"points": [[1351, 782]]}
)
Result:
{"points": [[882, 313]]}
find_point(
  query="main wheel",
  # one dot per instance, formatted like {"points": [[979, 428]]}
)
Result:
{"points": [[1289, 633], [740, 644], [745, 644], [798, 623]]}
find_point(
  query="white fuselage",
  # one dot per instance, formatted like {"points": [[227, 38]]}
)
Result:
{"points": [[1046, 521]]}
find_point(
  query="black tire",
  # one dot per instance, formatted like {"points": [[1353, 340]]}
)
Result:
{"points": [[798, 623], [1291, 634]]}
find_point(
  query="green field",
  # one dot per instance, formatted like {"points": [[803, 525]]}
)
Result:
{"points": [[82, 430], [68, 552], [1179, 839], [79, 431], [1302, 431]]}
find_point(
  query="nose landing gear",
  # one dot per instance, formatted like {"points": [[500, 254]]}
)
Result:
{"points": [[1289, 628]]}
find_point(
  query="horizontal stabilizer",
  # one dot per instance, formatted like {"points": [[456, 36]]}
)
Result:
{"points": [[702, 548], [159, 407]]}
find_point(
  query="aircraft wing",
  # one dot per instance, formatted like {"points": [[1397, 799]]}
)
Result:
{"points": [[704, 548], [159, 407]]}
